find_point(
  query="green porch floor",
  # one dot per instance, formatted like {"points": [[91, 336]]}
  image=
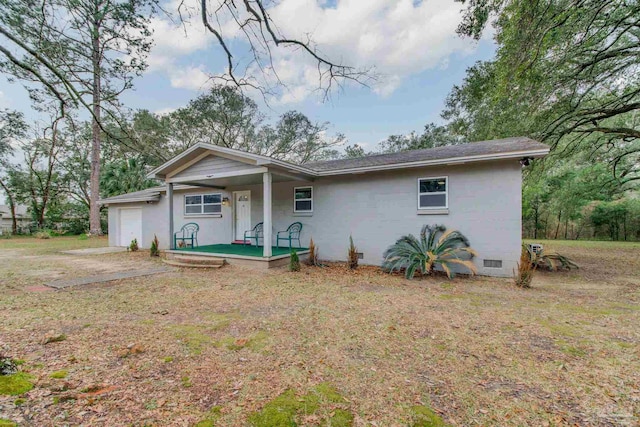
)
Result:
{"points": [[244, 250]]}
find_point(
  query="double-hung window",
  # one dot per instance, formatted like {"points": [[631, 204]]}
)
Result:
{"points": [[433, 193], [303, 199], [203, 204]]}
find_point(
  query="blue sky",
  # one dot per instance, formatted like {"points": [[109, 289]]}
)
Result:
{"points": [[412, 44]]}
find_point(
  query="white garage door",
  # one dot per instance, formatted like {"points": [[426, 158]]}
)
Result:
{"points": [[130, 226]]}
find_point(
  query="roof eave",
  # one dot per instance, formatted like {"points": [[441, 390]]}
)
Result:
{"points": [[438, 162], [116, 201]]}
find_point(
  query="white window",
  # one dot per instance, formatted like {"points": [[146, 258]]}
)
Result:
{"points": [[433, 193], [203, 204], [303, 199]]}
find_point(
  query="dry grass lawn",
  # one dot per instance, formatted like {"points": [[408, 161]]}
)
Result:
{"points": [[237, 347]]}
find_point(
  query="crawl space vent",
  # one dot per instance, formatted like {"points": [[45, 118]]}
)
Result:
{"points": [[493, 263]]}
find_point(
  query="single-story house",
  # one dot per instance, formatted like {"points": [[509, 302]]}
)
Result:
{"points": [[474, 188]]}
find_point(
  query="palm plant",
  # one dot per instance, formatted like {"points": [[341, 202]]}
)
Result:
{"points": [[436, 247], [526, 268], [313, 254], [124, 176], [551, 261], [154, 250], [352, 255]]}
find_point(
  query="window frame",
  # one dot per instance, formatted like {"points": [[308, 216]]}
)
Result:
{"points": [[202, 204], [295, 189], [446, 193]]}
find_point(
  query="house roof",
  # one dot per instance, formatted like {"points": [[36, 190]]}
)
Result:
{"points": [[498, 149], [462, 153], [475, 151], [151, 194]]}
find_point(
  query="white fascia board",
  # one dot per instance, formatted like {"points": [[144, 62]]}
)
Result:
{"points": [[152, 198], [243, 172], [437, 162]]}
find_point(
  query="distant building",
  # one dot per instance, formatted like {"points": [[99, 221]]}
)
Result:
{"points": [[22, 216]]}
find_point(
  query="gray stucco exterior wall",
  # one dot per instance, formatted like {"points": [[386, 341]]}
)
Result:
{"points": [[375, 208]]}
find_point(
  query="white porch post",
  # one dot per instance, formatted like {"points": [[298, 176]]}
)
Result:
{"points": [[170, 197], [266, 186]]}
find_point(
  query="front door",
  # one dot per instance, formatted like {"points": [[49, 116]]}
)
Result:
{"points": [[242, 209]]}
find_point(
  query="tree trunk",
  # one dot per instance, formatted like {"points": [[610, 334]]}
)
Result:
{"points": [[536, 220], [558, 225], [12, 207], [95, 228]]}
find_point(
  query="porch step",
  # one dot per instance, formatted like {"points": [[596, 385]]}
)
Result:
{"points": [[200, 260], [193, 261], [189, 264]]}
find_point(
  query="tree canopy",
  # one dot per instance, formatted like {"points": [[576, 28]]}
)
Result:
{"points": [[565, 73]]}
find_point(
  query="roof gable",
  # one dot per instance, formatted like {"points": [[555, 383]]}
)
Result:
{"points": [[211, 164]]}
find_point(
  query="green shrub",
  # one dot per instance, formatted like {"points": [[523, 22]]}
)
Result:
{"points": [[436, 247], [133, 246], [7, 423], [294, 261], [352, 255], [154, 251]]}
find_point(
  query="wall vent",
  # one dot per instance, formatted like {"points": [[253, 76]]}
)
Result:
{"points": [[493, 263], [360, 255]]}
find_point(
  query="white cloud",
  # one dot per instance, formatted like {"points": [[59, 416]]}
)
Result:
{"points": [[165, 111], [399, 38], [190, 77], [174, 40]]}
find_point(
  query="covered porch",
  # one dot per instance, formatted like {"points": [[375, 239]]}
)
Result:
{"points": [[247, 255], [233, 186]]}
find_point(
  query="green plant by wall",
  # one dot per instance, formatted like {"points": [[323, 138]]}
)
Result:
{"points": [[133, 246], [294, 261], [352, 255], [436, 247], [154, 251]]}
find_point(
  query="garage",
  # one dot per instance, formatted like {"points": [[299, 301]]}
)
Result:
{"points": [[130, 226]]}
